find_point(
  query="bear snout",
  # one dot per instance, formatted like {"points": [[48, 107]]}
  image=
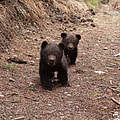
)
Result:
{"points": [[70, 46], [51, 60]]}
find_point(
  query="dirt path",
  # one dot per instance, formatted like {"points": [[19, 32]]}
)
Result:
{"points": [[91, 94]]}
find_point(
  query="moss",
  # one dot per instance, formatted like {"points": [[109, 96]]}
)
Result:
{"points": [[92, 3], [13, 67]]}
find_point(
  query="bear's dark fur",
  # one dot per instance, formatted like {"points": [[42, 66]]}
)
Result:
{"points": [[52, 60], [70, 42]]}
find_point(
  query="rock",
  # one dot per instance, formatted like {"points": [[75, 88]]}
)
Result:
{"points": [[1, 95], [66, 92], [93, 25], [37, 58], [89, 20], [49, 105], [99, 72], [30, 55], [117, 55], [32, 62], [92, 11], [77, 85], [35, 39], [118, 68], [105, 48], [104, 1], [12, 80], [31, 84], [115, 114], [68, 95], [20, 118], [82, 20]]}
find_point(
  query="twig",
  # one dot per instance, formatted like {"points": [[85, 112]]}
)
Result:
{"points": [[113, 88], [30, 99], [117, 102]]}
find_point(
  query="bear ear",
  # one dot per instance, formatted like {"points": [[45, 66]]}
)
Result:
{"points": [[63, 35], [44, 43], [61, 45], [78, 36]]}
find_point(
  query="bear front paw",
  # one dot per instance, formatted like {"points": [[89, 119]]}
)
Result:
{"points": [[66, 84], [47, 88]]}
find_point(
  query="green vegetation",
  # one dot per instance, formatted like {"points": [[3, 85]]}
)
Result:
{"points": [[11, 67], [100, 78], [92, 94], [21, 38], [92, 4], [118, 88]]}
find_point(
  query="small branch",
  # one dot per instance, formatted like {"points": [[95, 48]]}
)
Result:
{"points": [[30, 99], [113, 88], [114, 100]]}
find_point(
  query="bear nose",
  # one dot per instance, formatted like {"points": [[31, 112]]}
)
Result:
{"points": [[70, 46], [51, 61]]}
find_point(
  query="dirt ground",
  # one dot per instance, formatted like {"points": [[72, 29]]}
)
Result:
{"points": [[95, 79]]}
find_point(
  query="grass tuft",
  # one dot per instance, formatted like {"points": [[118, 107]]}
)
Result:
{"points": [[11, 67], [92, 4]]}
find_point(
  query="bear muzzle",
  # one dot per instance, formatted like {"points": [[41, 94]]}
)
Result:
{"points": [[70, 46], [51, 60]]}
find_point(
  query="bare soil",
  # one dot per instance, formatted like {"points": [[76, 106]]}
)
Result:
{"points": [[95, 79]]}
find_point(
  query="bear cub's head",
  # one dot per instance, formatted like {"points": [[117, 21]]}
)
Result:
{"points": [[70, 41], [51, 53]]}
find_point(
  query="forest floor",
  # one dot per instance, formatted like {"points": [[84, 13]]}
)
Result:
{"points": [[95, 79]]}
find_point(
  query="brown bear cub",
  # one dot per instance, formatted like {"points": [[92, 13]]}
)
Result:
{"points": [[70, 42], [52, 59]]}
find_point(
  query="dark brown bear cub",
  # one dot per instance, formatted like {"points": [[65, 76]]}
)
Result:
{"points": [[70, 42], [52, 60]]}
